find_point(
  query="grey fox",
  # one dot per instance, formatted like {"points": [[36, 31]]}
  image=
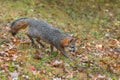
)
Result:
{"points": [[41, 30]]}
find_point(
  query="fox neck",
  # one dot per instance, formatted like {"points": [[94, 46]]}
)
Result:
{"points": [[65, 42]]}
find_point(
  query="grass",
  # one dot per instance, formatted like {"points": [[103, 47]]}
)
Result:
{"points": [[85, 19]]}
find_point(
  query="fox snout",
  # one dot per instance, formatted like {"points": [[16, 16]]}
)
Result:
{"points": [[73, 50]]}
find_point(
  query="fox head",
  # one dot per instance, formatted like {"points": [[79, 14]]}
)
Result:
{"points": [[70, 43], [15, 27]]}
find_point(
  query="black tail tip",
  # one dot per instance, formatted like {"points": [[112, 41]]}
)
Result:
{"points": [[13, 34]]}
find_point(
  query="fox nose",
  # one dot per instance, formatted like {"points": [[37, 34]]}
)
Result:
{"points": [[73, 50]]}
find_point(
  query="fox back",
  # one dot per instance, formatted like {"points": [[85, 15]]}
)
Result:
{"points": [[47, 33]]}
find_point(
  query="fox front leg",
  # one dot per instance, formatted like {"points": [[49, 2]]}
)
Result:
{"points": [[62, 50], [32, 41], [51, 48], [38, 40]]}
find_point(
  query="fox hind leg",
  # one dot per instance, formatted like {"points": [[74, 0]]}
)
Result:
{"points": [[32, 41], [38, 40], [52, 48]]}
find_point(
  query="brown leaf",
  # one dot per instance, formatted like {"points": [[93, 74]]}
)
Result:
{"points": [[100, 47], [38, 55], [16, 41], [12, 51], [70, 75], [25, 42], [57, 63]]}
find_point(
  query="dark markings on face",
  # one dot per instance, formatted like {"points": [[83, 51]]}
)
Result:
{"points": [[72, 46]]}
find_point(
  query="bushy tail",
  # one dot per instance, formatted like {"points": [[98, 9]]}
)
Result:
{"points": [[18, 24]]}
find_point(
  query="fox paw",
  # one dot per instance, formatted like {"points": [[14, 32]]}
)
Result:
{"points": [[33, 45]]}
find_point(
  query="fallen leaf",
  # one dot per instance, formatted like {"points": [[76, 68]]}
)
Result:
{"points": [[57, 78], [14, 75], [57, 63], [70, 75], [12, 51]]}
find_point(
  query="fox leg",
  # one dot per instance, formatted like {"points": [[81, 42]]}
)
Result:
{"points": [[62, 50], [33, 44], [38, 40], [51, 47]]}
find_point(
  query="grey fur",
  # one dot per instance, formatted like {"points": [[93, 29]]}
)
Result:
{"points": [[41, 30]]}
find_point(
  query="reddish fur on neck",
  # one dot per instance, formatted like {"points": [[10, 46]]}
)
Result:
{"points": [[65, 42]]}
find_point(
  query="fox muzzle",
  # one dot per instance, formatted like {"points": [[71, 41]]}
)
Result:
{"points": [[73, 50]]}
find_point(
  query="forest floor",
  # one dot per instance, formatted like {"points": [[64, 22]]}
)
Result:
{"points": [[96, 24]]}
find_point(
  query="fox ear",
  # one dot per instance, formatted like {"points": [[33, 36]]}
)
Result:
{"points": [[74, 38], [65, 42]]}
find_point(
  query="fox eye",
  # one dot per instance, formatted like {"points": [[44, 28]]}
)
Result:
{"points": [[71, 40]]}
